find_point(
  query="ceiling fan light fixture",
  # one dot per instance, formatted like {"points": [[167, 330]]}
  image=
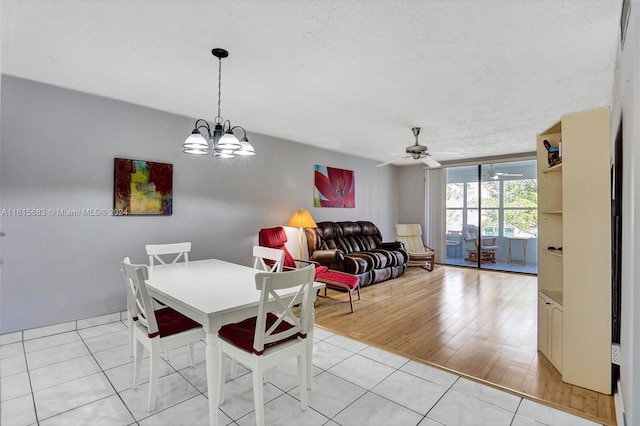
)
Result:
{"points": [[418, 152]]}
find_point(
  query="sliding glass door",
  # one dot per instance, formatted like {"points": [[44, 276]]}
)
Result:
{"points": [[491, 216]]}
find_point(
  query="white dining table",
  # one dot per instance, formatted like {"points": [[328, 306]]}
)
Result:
{"points": [[213, 293]]}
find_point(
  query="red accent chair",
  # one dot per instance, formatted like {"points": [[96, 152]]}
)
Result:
{"points": [[277, 237]]}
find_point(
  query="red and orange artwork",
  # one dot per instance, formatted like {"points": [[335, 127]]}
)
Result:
{"points": [[333, 187]]}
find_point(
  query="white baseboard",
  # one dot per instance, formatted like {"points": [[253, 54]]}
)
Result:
{"points": [[618, 401], [50, 330]]}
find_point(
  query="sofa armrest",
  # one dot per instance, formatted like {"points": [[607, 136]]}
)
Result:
{"points": [[327, 256], [392, 245]]}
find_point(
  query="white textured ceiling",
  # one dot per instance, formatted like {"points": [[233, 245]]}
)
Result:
{"points": [[481, 77]]}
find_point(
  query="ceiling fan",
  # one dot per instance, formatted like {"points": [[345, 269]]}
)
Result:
{"points": [[417, 152], [492, 174]]}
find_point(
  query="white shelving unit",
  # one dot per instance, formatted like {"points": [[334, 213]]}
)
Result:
{"points": [[574, 269]]}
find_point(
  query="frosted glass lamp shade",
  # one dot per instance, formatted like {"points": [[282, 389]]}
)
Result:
{"points": [[195, 151], [228, 141], [223, 153], [195, 144], [246, 148]]}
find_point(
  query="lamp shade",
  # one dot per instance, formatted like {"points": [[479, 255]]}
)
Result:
{"points": [[195, 143], [229, 141], [302, 219], [246, 148]]}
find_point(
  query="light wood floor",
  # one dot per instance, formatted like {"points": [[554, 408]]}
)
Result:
{"points": [[481, 324]]}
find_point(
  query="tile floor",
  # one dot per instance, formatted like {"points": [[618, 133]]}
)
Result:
{"points": [[83, 377]]}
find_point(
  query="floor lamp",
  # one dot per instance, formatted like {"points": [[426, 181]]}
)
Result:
{"points": [[301, 219]]}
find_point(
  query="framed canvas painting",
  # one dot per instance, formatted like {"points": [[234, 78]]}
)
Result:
{"points": [[333, 187], [143, 187]]}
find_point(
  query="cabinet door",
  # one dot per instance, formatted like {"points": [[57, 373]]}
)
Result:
{"points": [[543, 326], [555, 322]]}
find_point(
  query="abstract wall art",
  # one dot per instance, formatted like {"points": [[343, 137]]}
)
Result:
{"points": [[143, 187], [333, 187]]}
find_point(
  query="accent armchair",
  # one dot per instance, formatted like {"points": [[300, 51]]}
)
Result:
{"points": [[420, 254]]}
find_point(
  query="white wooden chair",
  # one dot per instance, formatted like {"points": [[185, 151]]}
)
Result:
{"points": [[156, 330], [162, 254], [268, 259], [285, 336], [159, 252]]}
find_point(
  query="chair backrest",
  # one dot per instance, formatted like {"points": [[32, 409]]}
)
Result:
{"points": [[470, 236], [270, 302], [411, 236], [178, 250], [138, 299], [470, 232], [276, 238], [268, 259]]}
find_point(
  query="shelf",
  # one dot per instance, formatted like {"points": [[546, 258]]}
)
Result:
{"points": [[557, 253], [576, 338], [554, 295], [553, 169]]}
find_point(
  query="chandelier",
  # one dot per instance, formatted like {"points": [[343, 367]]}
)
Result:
{"points": [[221, 142]]}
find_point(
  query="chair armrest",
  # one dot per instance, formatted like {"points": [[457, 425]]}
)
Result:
{"points": [[308, 262], [327, 256], [427, 248], [489, 241]]}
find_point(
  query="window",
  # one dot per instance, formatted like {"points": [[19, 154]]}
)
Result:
{"points": [[507, 203], [501, 200], [520, 205]]}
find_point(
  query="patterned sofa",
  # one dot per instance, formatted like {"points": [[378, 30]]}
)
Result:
{"points": [[356, 248]]}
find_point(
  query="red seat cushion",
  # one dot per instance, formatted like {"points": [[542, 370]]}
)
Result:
{"points": [[320, 270], [335, 277], [241, 334], [172, 322]]}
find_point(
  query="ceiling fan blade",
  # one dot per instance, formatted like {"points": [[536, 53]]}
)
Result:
{"points": [[387, 162], [430, 161], [393, 161]]}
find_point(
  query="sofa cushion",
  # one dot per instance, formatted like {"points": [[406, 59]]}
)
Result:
{"points": [[371, 233]]}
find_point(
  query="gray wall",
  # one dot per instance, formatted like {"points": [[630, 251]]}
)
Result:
{"points": [[411, 194], [58, 148], [422, 200], [627, 105]]}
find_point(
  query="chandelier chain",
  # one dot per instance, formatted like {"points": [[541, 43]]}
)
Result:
{"points": [[219, 85]]}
